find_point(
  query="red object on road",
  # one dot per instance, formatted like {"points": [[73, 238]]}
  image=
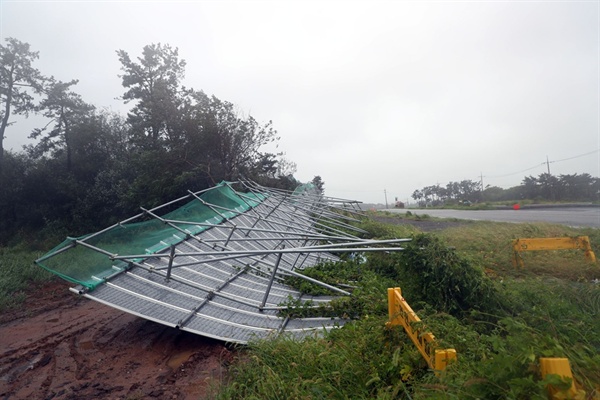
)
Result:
{"points": [[516, 207]]}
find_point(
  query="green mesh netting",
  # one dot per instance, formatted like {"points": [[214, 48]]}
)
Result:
{"points": [[307, 187], [89, 267]]}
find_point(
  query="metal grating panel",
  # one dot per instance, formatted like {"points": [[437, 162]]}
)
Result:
{"points": [[223, 276]]}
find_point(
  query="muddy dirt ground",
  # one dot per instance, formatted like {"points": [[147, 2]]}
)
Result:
{"points": [[61, 346]]}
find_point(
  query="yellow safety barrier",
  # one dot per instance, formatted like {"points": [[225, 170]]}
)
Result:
{"points": [[402, 314], [561, 243], [560, 367]]}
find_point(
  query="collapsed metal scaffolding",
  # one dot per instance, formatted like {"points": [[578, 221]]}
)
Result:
{"points": [[216, 265]]}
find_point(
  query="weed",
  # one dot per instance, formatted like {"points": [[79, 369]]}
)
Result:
{"points": [[17, 272], [462, 284], [379, 230]]}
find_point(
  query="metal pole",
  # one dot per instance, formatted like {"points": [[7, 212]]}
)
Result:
{"points": [[270, 282], [238, 253], [230, 235], [268, 215], [385, 194], [171, 258]]}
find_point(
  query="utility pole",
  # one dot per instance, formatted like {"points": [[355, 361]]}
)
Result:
{"points": [[552, 196], [481, 182], [385, 194], [481, 176]]}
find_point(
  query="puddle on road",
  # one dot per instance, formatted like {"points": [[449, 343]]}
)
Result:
{"points": [[176, 360]]}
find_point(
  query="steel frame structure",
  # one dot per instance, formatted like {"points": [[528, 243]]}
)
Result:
{"points": [[227, 282]]}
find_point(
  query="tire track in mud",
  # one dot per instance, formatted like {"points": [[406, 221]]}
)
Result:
{"points": [[78, 349]]}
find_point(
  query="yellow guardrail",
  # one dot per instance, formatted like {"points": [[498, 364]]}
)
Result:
{"points": [[560, 243], [400, 313]]}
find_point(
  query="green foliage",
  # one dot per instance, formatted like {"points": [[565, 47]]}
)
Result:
{"points": [[327, 272], [379, 230], [153, 83], [582, 187], [17, 273], [464, 192], [545, 187], [19, 81], [319, 184], [499, 327], [369, 290], [93, 168], [445, 280], [358, 362], [67, 111], [489, 244]]}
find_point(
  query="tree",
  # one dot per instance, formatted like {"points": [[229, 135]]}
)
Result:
{"points": [[319, 184], [453, 190], [493, 193], [418, 196], [12, 207], [18, 82], [92, 191], [469, 190], [548, 184], [286, 167], [575, 187], [234, 140], [154, 82], [65, 109], [531, 188]]}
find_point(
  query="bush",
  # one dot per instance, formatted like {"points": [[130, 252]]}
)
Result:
{"points": [[445, 280]]}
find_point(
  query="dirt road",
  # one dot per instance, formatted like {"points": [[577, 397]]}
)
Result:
{"points": [[60, 346]]}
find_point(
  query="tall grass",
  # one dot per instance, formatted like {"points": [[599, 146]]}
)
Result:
{"points": [[17, 272], [499, 319], [361, 361], [489, 244]]}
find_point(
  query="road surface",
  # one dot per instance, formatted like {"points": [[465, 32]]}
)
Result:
{"points": [[571, 216]]}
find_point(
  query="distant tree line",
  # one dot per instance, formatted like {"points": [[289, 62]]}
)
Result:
{"points": [[545, 187], [89, 167], [453, 192]]}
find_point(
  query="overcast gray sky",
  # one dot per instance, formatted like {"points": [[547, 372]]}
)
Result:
{"points": [[370, 95]]}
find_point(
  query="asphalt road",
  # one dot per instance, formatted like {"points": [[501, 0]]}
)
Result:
{"points": [[571, 216]]}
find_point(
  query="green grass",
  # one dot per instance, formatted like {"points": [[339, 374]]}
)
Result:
{"points": [[17, 272], [489, 244], [462, 284]]}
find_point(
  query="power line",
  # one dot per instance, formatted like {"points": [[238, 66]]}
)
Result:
{"points": [[514, 173], [581, 155], [544, 163]]}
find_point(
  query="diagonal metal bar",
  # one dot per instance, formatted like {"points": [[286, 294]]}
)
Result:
{"points": [[208, 298], [273, 273]]}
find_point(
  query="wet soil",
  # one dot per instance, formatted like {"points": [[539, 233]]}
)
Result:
{"points": [[62, 346]]}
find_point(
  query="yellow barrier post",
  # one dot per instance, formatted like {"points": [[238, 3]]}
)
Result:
{"points": [[560, 367], [588, 252], [400, 313], [560, 243], [443, 358], [393, 306]]}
